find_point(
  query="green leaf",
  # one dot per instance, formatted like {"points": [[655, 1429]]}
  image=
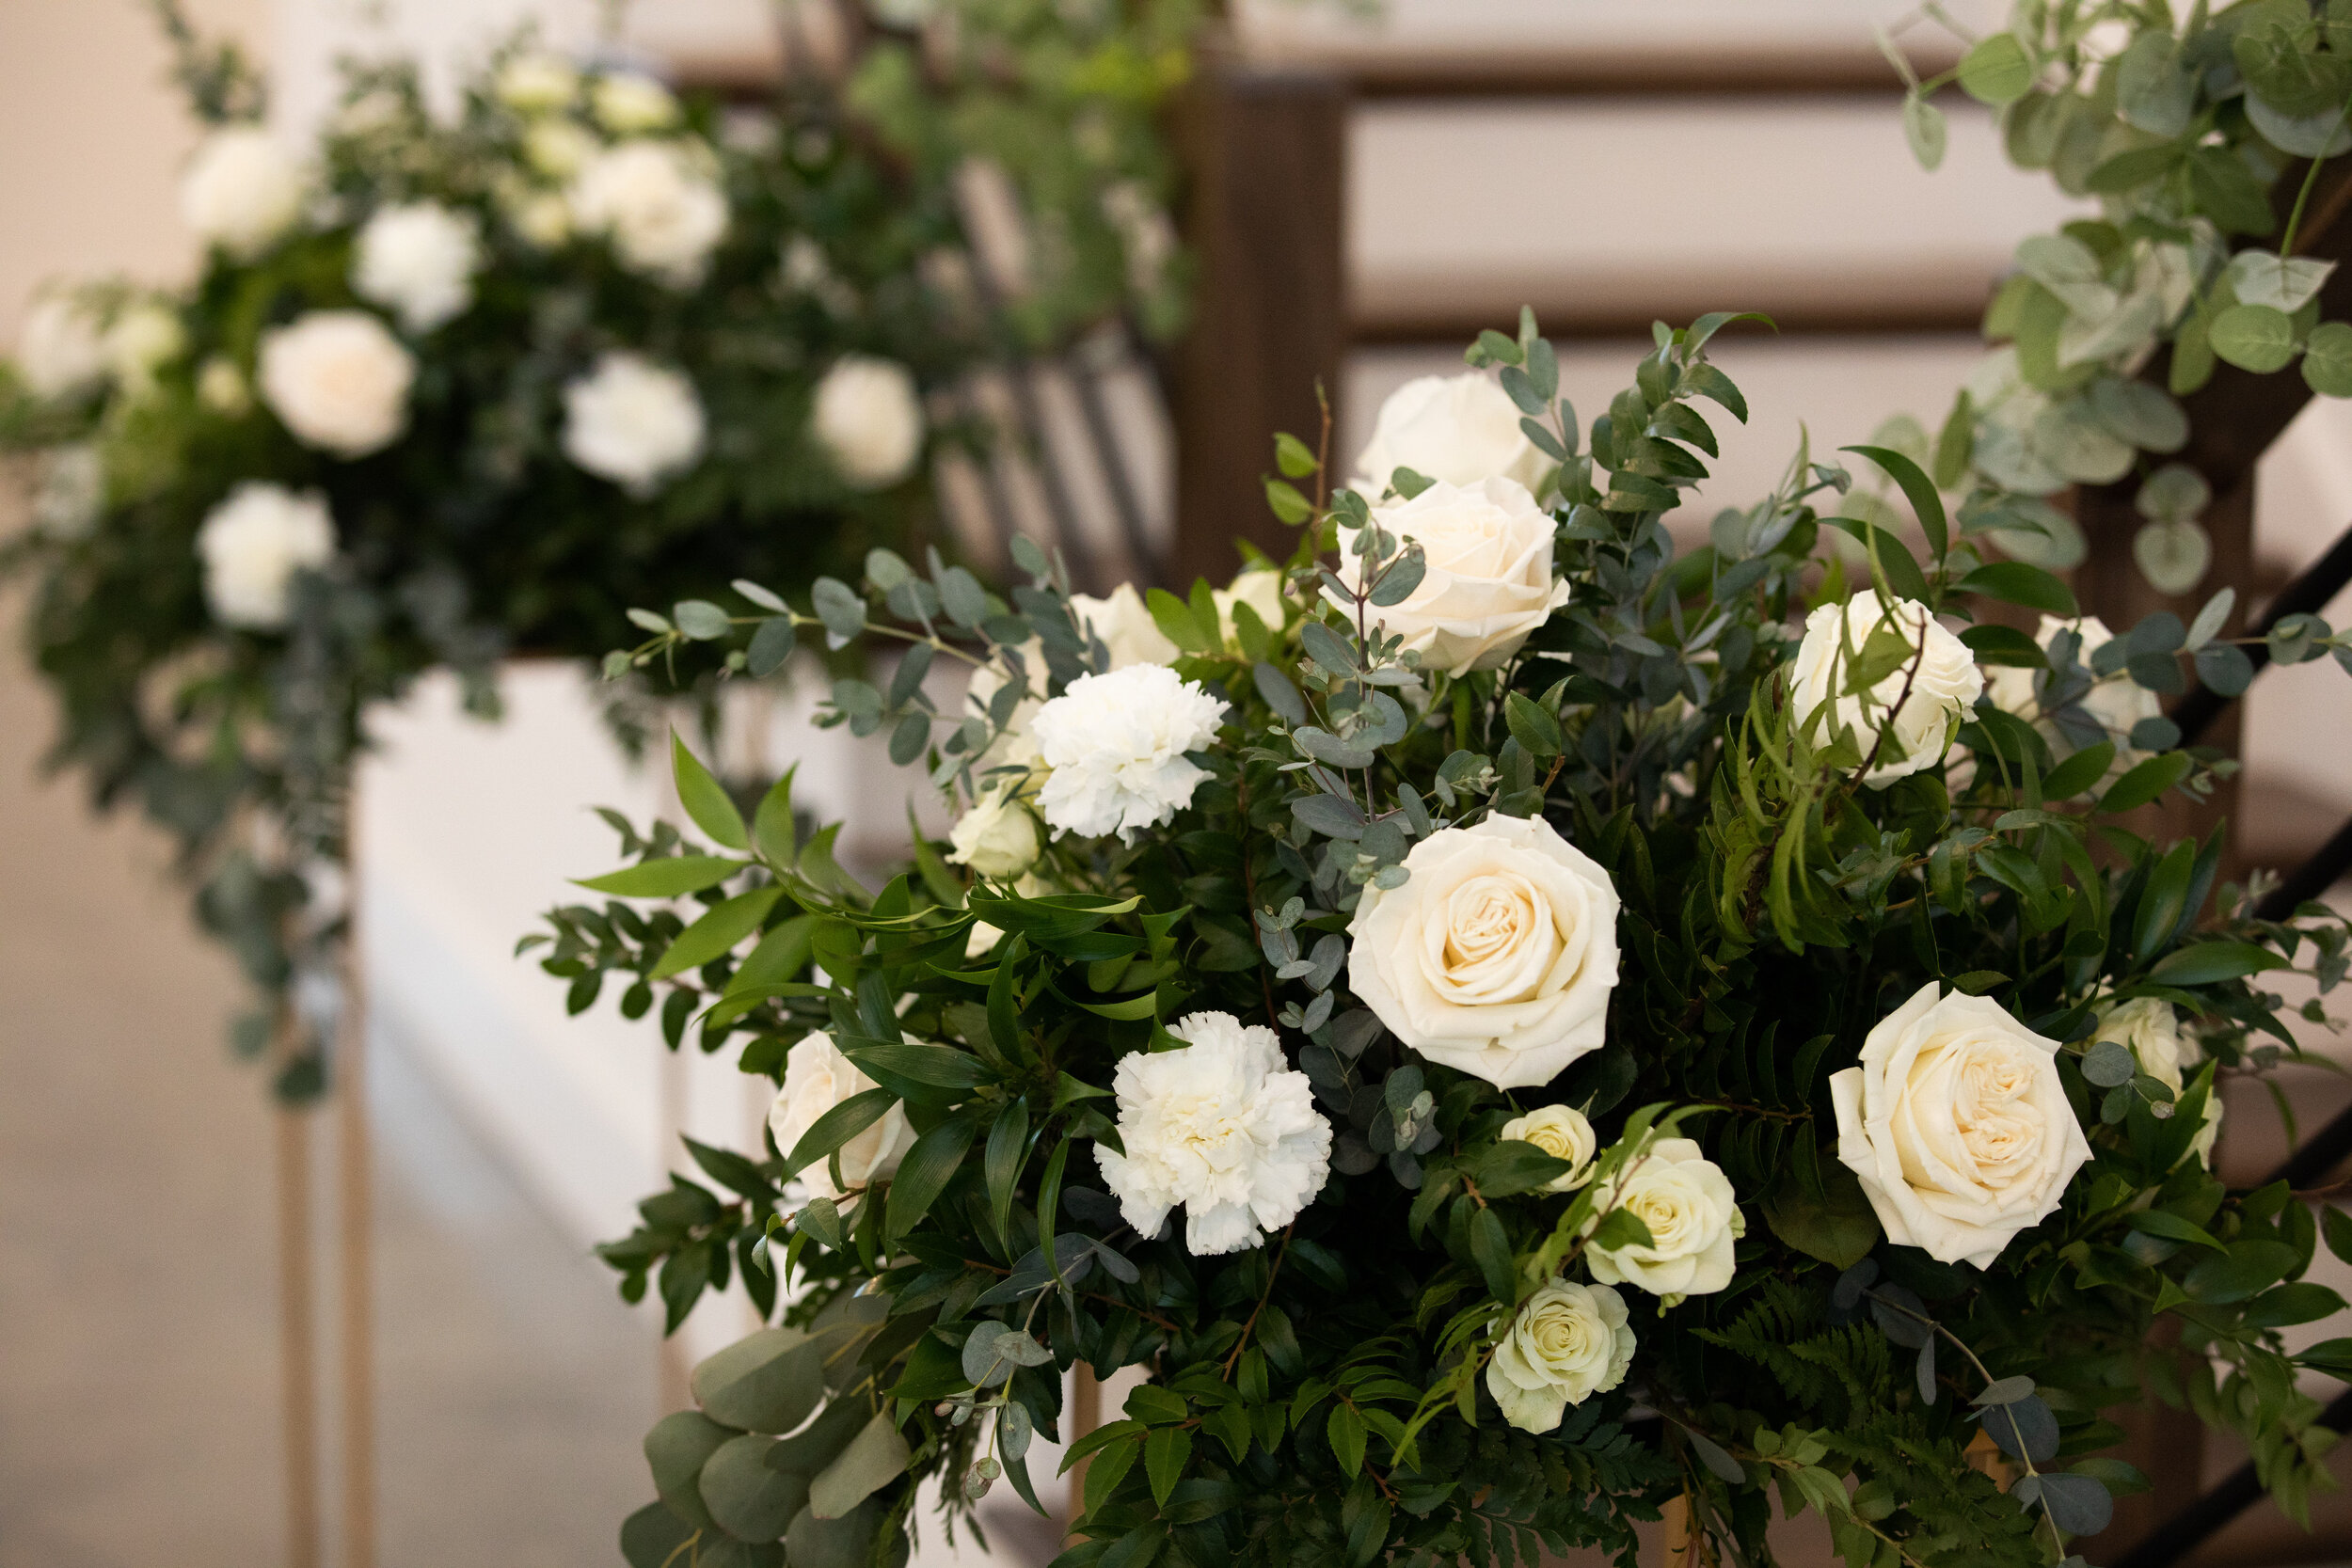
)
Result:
{"points": [[940, 1066], [1007, 1151], [705, 800], [668, 876], [814, 1543], [774, 836], [1840, 1229], [1994, 644], [676, 1448], [1536, 730], [1345, 1429], [1917, 489], [2247, 1269], [877, 1456], [2172, 1228], [925, 1171], [2146, 781], [2253, 338], [1925, 130], [836, 1126], [2328, 360], [1997, 70], [768, 1381], [2080, 772], [653, 1537], [1893, 556], [750, 1500], [704, 621], [1293, 457], [716, 932], [1176, 622], [1109, 1467], [2015, 582], [1137, 1548], [2202, 963], [1287, 503], [1165, 1455], [1491, 1247]]}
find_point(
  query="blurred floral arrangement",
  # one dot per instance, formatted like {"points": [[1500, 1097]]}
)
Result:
{"points": [[451, 389], [1508, 1025]]}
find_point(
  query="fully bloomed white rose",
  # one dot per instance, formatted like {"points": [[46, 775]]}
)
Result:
{"points": [[2150, 1030], [1958, 1126], [868, 418], [1124, 625], [1568, 1342], [534, 84], [145, 337], [628, 105], [1693, 1218], [657, 203], [632, 421], [998, 836], [1497, 956], [818, 1077], [2117, 702], [1223, 1128], [1488, 580], [242, 190], [1563, 1132], [1458, 429], [1115, 744], [338, 380], [253, 544], [418, 259], [60, 353], [1936, 689]]}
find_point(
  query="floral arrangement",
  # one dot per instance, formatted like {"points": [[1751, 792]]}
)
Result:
{"points": [[451, 389], [1507, 1023]]}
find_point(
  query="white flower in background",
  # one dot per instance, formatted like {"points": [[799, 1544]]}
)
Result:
{"points": [[1497, 956], [632, 421], [559, 149], [1458, 429], [656, 201], [242, 190], [221, 387], [146, 335], [253, 544], [72, 491], [1260, 589], [998, 838], [1488, 582], [1693, 1215], [817, 1078], [1125, 626], [1115, 744], [1563, 1132], [2150, 1030], [1568, 1342], [370, 113], [1222, 1127], [868, 418], [60, 353], [2116, 702], [543, 218], [418, 259], [628, 105], [339, 379], [1958, 1126], [534, 84], [1936, 689]]}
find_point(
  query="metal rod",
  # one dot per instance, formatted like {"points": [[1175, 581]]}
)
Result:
{"points": [[2201, 1520], [2306, 595], [299, 1335], [2310, 880], [1085, 376]]}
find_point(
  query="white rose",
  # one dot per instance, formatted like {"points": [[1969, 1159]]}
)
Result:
{"points": [[559, 149], [998, 836], [146, 336], [632, 421], [220, 386], [1123, 623], [72, 493], [655, 204], [868, 418], [1567, 1343], [253, 544], [533, 84], [1497, 956], [1260, 589], [338, 380], [1488, 582], [1958, 1126], [1115, 744], [543, 218], [627, 104], [1017, 746], [2116, 702], [1943, 684], [242, 190], [817, 1078], [418, 259], [1563, 1132], [2150, 1030], [1693, 1215], [1224, 1128], [60, 353], [1457, 430]]}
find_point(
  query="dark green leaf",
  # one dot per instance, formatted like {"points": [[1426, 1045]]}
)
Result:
{"points": [[668, 876]]}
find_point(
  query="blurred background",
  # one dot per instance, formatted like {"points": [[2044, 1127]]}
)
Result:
{"points": [[1606, 160]]}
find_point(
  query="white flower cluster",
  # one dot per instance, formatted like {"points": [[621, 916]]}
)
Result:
{"points": [[253, 544], [657, 203]]}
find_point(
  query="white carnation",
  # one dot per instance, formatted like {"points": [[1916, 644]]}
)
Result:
{"points": [[340, 380], [1567, 1343], [418, 259], [657, 204], [2116, 702], [242, 190], [534, 84], [60, 353], [251, 546], [1693, 1218], [868, 418], [632, 421], [1115, 744], [627, 104], [817, 1078], [1457, 430], [1222, 1127], [1929, 692]]}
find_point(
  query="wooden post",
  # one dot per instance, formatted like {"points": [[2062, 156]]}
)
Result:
{"points": [[1265, 152], [298, 1334], [356, 1244]]}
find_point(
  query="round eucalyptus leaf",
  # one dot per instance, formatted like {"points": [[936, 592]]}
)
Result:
{"points": [[2109, 1063], [700, 619], [749, 1499], [2175, 492], [2172, 556], [2319, 135], [2078, 1504], [2328, 360], [2254, 338], [767, 1381], [843, 1543], [652, 1536], [675, 1449]]}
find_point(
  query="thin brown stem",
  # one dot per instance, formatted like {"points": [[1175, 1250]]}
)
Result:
{"points": [[1247, 1329]]}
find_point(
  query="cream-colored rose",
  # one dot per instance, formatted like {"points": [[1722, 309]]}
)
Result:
{"points": [[1693, 1218], [2116, 702], [1488, 581], [1457, 430], [1561, 1132], [60, 353], [1958, 1126], [253, 544], [2150, 1030], [1567, 1343], [1125, 626], [242, 190], [1935, 689], [340, 380], [998, 838], [868, 416], [1260, 589], [818, 1077], [1497, 956], [656, 201], [221, 387]]}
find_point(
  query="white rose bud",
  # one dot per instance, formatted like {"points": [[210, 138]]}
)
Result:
{"points": [[146, 336], [559, 149], [418, 259], [72, 492], [2116, 702], [1693, 1218], [1936, 688], [534, 84], [242, 190], [817, 1078], [1260, 589], [868, 418], [1567, 1343], [1224, 1128], [998, 836], [253, 544], [1497, 956], [60, 354], [2150, 1030], [1487, 583], [1456, 430], [1124, 623], [1115, 744], [655, 204], [632, 421], [628, 105], [338, 380], [1563, 1132], [1957, 1125]]}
